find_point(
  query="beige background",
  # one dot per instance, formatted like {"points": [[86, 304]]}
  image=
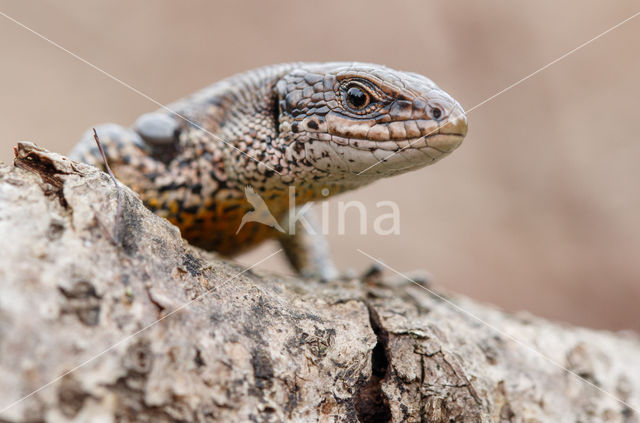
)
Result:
{"points": [[539, 208]]}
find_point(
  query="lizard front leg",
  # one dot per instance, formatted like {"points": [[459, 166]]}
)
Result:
{"points": [[308, 252]]}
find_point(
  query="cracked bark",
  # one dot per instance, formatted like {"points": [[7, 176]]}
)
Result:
{"points": [[371, 403], [256, 347]]}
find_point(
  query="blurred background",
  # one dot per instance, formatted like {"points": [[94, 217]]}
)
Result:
{"points": [[538, 210]]}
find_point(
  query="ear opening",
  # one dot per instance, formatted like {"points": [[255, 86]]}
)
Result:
{"points": [[276, 108], [275, 113]]}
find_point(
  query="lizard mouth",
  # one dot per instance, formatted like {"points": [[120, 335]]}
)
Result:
{"points": [[379, 158], [441, 142], [398, 156], [401, 156], [353, 150]]}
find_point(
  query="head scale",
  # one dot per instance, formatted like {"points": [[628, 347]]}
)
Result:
{"points": [[355, 122]]}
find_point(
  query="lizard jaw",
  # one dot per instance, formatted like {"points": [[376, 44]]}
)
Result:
{"points": [[338, 157], [373, 159]]}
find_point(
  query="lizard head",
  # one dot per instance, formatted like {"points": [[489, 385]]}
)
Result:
{"points": [[356, 122]]}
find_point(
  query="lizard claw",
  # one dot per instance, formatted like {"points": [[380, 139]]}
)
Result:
{"points": [[372, 273]]}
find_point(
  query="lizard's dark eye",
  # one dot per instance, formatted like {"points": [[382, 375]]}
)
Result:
{"points": [[357, 98]]}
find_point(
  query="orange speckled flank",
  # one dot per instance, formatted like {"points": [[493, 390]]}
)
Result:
{"points": [[210, 230], [214, 224]]}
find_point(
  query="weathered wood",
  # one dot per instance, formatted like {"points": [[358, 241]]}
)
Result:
{"points": [[234, 345]]}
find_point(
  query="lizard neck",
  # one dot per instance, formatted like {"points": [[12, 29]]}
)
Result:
{"points": [[234, 132]]}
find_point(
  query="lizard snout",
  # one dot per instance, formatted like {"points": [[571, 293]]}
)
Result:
{"points": [[455, 123], [452, 130]]}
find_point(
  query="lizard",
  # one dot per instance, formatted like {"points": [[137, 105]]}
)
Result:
{"points": [[321, 128]]}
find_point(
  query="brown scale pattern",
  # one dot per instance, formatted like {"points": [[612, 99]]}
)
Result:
{"points": [[282, 125]]}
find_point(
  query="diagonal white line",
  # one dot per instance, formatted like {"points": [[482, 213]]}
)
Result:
{"points": [[128, 337], [553, 62], [135, 90], [406, 146], [515, 84], [501, 332]]}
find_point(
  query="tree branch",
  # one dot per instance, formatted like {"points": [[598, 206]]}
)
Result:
{"points": [[156, 330]]}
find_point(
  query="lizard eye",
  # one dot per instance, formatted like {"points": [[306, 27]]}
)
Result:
{"points": [[357, 98]]}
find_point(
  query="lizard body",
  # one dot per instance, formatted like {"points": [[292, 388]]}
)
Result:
{"points": [[313, 126]]}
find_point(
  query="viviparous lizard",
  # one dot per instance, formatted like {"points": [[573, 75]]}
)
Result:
{"points": [[312, 126]]}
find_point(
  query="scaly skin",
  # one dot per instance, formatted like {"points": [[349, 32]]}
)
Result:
{"points": [[285, 125]]}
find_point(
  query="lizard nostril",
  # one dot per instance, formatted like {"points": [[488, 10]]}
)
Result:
{"points": [[436, 113]]}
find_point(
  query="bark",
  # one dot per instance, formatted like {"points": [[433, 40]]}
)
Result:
{"points": [[253, 346]]}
